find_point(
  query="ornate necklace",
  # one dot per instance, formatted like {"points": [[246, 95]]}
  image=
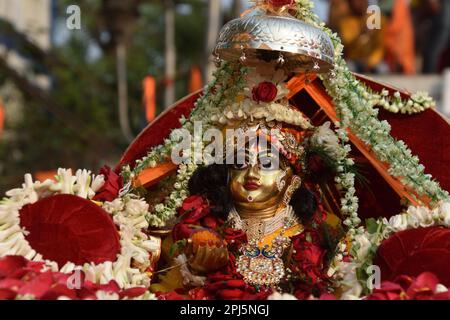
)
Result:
{"points": [[263, 266]]}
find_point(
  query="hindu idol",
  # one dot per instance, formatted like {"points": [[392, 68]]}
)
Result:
{"points": [[258, 217], [255, 187]]}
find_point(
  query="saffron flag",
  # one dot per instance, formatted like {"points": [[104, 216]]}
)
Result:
{"points": [[149, 97], [195, 82]]}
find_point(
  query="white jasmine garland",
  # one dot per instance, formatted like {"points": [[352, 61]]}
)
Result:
{"points": [[355, 108], [281, 296], [418, 102], [366, 243], [334, 144]]}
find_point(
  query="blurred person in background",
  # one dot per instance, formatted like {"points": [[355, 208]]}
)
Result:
{"points": [[389, 48], [363, 47], [433, 22], [398, 36]]}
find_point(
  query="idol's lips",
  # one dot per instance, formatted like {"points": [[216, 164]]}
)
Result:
{"points": [[251, 185]]}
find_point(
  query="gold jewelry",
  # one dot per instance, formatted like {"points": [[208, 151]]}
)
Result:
{"points": [[294, 185], [280, 182], [265, 266], [257, 228]]}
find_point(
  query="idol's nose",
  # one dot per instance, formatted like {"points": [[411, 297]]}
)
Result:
{"points": [[253, 172]]}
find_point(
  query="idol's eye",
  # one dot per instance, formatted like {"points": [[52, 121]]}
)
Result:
{"points": [[268, 163], [240, 166]]}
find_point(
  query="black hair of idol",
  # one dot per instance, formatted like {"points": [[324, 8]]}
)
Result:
{"points": [[211, 182]]}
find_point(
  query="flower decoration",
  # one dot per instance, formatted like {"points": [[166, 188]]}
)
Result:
{"points": [[280, 3], [110, 189], [419, 101], [274, 6], [24, 279], [128, 267], [265, 91], [229, 97], [308, 264], [425, 287], [347, 273]]}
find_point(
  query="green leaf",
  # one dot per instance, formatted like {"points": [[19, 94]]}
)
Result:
{"points": [[371, 225], [179, 245], [354, 249]]}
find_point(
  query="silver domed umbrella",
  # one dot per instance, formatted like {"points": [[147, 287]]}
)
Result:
{"points": [[296, 45]]}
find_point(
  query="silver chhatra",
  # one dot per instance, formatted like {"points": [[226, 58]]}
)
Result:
{"points": [[303, 47]]}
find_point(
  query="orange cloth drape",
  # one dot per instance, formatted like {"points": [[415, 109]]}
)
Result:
{"points": [[195, 82], [317, 93], [149, 97], [44, 175], [399, 38]]}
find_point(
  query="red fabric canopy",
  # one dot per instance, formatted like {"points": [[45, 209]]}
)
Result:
{"points": [[65, 228], [412, 252]]}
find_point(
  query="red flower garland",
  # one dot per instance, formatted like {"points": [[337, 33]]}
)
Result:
{"points": [[19, 276], [407, 288]]}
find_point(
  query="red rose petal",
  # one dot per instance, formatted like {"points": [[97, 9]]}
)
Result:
{"points": [[132, 292], [110, 189], [7, 294], [11, 264], [230, 294], [37, 286], [58, 291]]}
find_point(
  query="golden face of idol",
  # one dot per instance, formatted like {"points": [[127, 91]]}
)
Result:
{"points": [[259, 185]]}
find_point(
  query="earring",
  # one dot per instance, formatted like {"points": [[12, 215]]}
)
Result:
{"points": [[294, 185], [280, 182]]}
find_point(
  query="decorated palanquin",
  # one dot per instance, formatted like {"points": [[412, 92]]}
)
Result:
{"points": [[317, 193]]}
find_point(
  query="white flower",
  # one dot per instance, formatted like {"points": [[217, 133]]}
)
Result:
{"points": [[398, 222], [159, 207], [440, 288], [419, 216], [66, 180], [350, 285], [281, 296], [113, 206], [363, 244], [326, 138], [83, 180], [98, 182], [444, 213], [136, 207], [136, 246]]}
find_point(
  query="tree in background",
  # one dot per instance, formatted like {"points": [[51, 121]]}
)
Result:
{"points": [[75, 123]]}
